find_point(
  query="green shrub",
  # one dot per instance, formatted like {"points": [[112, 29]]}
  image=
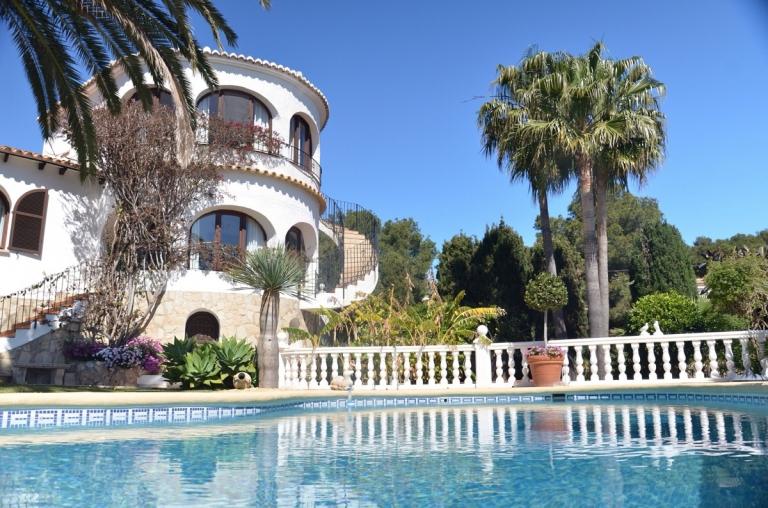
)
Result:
{"points": [[235, 356], [197, 364], [712, 320], [175, 353], [202, 369], [674, 312]]}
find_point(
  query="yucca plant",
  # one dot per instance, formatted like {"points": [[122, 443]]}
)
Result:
{"points": [[235, 355], [274, 271]]}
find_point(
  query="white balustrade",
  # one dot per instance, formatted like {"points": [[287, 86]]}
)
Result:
{"points": [[505, 364]]}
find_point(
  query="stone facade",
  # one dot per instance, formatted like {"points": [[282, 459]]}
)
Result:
{"points": [[237, 313], [45, 355]]}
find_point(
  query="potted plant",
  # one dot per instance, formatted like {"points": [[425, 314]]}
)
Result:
{"points": [[544, 293]]}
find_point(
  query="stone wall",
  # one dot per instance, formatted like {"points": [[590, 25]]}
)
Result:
{"points": [[238, 313]]}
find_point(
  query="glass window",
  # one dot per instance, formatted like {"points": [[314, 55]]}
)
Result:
{"points": [[301, 139], [216, 239], [4, 209], [159, 96], [294, 240], [235, 106]]}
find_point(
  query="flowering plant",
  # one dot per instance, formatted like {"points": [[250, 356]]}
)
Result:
{"points": [[143, 352], [549, 351], [152, 352], [80, 348]]}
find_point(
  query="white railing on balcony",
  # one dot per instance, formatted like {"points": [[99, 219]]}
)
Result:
{"points": [[738, 355]]}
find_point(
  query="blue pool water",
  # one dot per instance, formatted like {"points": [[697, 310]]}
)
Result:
{"points": [[534, 455]]}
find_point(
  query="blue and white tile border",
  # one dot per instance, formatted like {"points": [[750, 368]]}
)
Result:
{"points": [[24, 418]]}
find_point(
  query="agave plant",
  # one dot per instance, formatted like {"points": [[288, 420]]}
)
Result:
{"points": [[175, 358], [235, 355], [202, 369]]}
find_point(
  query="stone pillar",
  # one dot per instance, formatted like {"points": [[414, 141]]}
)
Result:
{"points": [[483, 375]]}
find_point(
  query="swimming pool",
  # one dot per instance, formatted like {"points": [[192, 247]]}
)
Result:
{"points": [[576, 454]]}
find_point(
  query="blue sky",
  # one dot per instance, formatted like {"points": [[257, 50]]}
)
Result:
{"points": [[402, 79]]}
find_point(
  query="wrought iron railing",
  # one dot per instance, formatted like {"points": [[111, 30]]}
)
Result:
{"points": [[237, 142], [351, 252], [27, 308]]}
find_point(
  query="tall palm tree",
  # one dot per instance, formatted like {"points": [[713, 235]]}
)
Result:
{"points": [[534, 161], [54, 37], [585, 118], [632, 92], [274, 271]]}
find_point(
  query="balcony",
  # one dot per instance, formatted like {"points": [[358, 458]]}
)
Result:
{"points": [[235, 143]]}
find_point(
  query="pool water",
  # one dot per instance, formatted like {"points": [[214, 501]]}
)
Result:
{"points": [[537, 455]]}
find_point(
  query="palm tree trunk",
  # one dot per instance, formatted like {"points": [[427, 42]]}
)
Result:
{"points": [[268, 349], [601, 229], [549, 256], [590, 245]]}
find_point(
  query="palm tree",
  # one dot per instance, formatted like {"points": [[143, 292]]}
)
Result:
{"points": [[585, 118], [533, 161], [635, 94], [274, 271], [54, 37]]}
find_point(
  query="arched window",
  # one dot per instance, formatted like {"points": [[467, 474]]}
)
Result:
{"points": [[301, 140], [235, 106], [5, 210], [218, 238], [294, 240], [202, 325], [160, 97], [29, 222]]}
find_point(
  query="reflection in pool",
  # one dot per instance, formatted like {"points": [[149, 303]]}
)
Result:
{"points": [[574, 455]]}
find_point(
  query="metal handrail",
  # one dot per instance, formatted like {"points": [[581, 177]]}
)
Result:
{"points": [[29, 307], [265, 143]]}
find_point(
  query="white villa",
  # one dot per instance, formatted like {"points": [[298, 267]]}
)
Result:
{"points": [[51, 224]]}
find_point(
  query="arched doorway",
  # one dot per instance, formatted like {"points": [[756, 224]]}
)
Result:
{"points": [[202, 324]]}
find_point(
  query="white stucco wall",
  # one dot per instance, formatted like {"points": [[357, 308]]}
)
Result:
{"points": [[74, 220]]}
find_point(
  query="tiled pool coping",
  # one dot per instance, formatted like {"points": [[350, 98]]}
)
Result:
{"points": [[137, 408]]}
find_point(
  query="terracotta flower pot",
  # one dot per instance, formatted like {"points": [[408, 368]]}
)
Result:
{"points": [[546, 370]]}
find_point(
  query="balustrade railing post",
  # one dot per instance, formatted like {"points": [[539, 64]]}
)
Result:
{"points": [[698, 365], [746, 361], [483, 373], [667, 360], [714, 370], [730, 372], [650, 348]]}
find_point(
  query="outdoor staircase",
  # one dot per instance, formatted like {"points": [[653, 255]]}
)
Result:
{"points": [[37, 310], [360, 257]]}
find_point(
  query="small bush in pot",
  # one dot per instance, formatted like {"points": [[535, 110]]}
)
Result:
{"points": [[544, 293]]}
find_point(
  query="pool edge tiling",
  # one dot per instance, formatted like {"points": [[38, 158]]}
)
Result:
{"points": [[116, 414]]}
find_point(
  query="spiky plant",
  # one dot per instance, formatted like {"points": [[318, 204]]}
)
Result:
{"points": [[56, 37], [274, 271]]}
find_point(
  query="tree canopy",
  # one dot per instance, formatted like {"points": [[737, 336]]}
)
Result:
{"points": [[405, 259]]}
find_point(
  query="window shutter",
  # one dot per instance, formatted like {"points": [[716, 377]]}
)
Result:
{"points": [[29, 222]]}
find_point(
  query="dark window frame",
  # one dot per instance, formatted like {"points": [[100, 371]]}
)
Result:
{"points": [[297, 121], [300, 241], [6, 218], [156, 93], [42, 218], [214, 107], [218, 262]]}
